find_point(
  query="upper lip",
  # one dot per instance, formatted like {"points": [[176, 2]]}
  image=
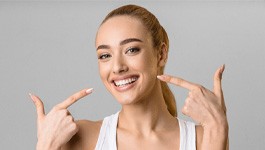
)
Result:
{"points": [[117, 78]]}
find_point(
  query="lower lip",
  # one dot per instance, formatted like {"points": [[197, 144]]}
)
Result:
{"points": [[126, 87]]}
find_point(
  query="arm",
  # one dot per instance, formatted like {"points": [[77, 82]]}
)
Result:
{"points": [[207, 108], [201, 137], [215, 138], [58, 126]]}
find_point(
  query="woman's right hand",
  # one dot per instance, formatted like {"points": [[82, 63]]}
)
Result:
{"points": [[57, 127]]}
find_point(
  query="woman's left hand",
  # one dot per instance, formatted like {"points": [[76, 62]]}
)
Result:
{"points": [[207, 108], [202, 105]]}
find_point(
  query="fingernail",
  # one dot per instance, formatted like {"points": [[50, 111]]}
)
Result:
{"points": [[160, 77], [222, 68], [31, 96], [88, 91]]}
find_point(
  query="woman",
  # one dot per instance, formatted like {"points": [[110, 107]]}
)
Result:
{"points": [[132, 50]]}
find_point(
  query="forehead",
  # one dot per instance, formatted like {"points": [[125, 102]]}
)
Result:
{"points": [[119, 28]]}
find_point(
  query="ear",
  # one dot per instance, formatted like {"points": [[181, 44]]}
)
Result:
{"points": [[162, 55]]}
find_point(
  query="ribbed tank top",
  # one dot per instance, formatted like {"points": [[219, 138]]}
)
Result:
{"points": [[107, 134]]}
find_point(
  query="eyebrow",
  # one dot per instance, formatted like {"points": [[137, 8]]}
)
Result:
{"points": [[123, 42]]}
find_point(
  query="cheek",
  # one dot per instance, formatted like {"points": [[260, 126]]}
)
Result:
{"points": [[103, 70], [148, 63], [146, 59], [136, 65]]}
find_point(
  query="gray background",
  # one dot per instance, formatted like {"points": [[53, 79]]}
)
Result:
{"points": [[47, 48]]}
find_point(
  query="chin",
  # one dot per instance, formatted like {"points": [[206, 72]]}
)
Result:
{"points": [[126, 99]]}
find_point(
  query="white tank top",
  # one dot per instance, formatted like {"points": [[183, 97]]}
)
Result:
{"points": [[107, 134]]}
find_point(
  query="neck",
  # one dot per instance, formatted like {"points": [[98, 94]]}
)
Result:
{"points": [[149, 114]]}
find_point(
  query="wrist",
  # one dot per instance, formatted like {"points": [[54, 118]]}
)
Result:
{"points": [[216, 125], [219, 133], [215, 136], [216, 130], [46, 146]]}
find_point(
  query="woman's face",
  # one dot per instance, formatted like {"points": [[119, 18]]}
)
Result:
{"points": [[127, 61]]}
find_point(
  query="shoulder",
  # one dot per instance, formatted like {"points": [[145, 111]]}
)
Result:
{"points": [[86, 137], [199, 135]]}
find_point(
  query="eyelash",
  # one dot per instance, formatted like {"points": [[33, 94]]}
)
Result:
{"points": [[131, 50], [104, 56]]}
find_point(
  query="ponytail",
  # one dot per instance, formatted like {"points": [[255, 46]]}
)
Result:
{"points": [[167, 93], [169, 99]]}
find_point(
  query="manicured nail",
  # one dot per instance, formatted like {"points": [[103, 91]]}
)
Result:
{"points": [[161, 77], [88, 91], [31, 96]]}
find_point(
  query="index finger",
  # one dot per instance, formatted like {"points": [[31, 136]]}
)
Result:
{"points": [[74, 98], [178, 81]]}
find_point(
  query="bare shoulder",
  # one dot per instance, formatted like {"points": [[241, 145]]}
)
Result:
{"points": [[199, 135], [86, 137]]}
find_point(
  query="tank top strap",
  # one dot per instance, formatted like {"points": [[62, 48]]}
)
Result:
{"points": [[107, 133], [187, 135]]}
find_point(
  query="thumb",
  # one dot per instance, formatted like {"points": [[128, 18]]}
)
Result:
{"points": [[217, 88], [39, 106]]}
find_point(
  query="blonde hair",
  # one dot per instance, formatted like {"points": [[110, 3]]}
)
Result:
{"points": [[159, 36]]}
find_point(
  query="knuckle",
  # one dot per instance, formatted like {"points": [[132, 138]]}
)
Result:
{"points": [[72, 99], [184, 110], [187, 102], [180, 81], [191, 95], [38, 103], [70, 118], [199, 88], [74, 126], [217, 78], [64, 112]]}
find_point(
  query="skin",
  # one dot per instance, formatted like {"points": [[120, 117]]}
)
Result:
{"points": [[144, 119]]}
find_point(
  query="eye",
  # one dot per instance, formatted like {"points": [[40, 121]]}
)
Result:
{"points": [[132, 50], [104, 56]]}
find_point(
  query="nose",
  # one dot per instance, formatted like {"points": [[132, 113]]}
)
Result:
{"points": [[119, 66]]}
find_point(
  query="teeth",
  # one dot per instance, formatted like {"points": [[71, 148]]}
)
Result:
{"points": [[125, 81]]}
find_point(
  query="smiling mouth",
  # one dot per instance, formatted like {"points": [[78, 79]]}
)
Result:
{"points": [[124, 82]]}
